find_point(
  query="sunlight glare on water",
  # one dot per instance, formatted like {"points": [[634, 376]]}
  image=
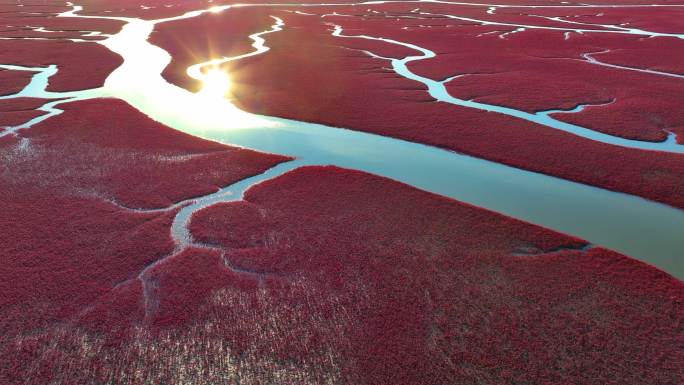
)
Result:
{"points": [[213, 111], [215, 83]]}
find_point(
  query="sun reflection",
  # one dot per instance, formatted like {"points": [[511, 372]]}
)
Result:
{"points": [[215, 83], [215, 9]]}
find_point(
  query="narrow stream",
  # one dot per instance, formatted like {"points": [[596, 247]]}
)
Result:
{"points": [[438, 91], [634, 226]]}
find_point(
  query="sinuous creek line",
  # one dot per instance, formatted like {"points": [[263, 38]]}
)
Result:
{"points": [[437, 90], [634, 226]]}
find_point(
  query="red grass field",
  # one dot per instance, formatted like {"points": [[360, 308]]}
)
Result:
{"points": [[81, 65], [71, 254], [416, 282], [14, 112], [68, 56], [326, 275], [130, 159], [324, 280], [12, 82]]}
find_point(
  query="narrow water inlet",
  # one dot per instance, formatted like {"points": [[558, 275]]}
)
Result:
{"points": [[637, 227]]}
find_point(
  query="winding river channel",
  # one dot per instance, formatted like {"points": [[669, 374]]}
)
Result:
{"points": [[634, 226]]}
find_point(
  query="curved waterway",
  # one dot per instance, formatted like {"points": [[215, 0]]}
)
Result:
{"points": [[437, 90], [634, 226], [37, 88]]}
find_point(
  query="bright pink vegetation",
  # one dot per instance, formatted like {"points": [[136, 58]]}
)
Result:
{"points": [[333, 275], [81, 66], [130, 158], [541, 69], [68, 56], [12, 82], [326, 275], [57, 180], [132, 8], [71, 254], [433, 291]]}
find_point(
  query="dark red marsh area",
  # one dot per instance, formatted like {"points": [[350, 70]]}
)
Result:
{"points": [[317, 277], [327, 275], [70, 238]]}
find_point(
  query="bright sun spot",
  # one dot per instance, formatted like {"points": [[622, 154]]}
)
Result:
{"points": [[211, 109], [215, 9], [215, 83]]}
